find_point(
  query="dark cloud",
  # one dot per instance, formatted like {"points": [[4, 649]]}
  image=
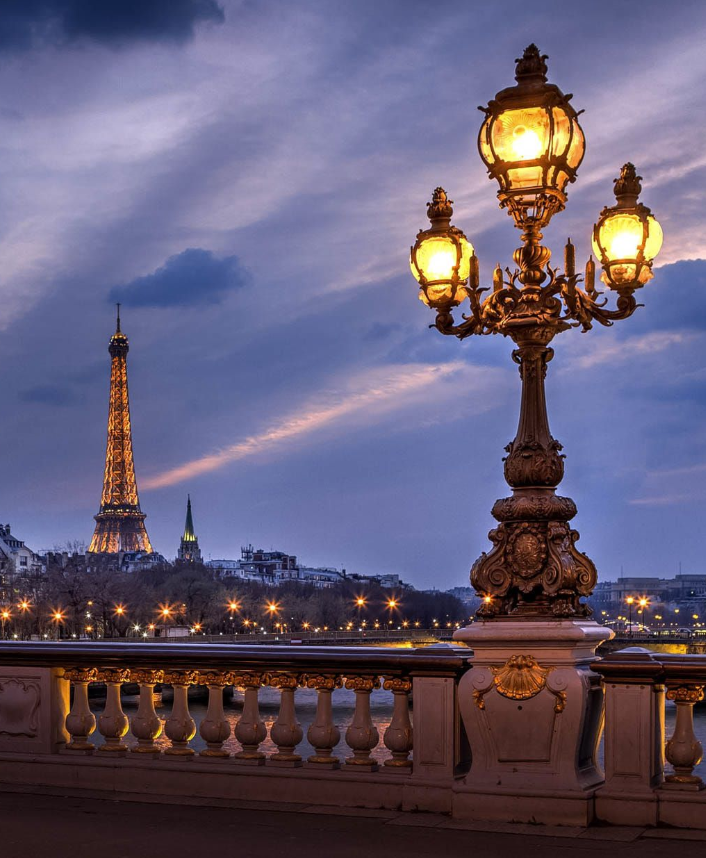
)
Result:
{"points": [[26, 24], [48, 394], [192, 277], [676, 298]]}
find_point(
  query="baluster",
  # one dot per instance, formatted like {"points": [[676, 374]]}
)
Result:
{"points": [[80, 722], [146, 725], [398, 736], [362, 735], [113, 723], [683, 750], [215, 727], [286, 732], [180, 727], [250, 730], [323, 734]]}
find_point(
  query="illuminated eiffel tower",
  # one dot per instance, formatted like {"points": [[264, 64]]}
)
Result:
{"points": [[120, 523]]}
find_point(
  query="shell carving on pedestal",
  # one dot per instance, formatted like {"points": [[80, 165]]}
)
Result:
{"points": [[520, 678]]}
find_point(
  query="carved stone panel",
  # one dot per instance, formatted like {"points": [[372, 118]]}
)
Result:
{"points": [[19, 707], [33, 705]]}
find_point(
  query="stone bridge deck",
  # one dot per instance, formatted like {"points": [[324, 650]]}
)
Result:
{"points": [[63, 827]]}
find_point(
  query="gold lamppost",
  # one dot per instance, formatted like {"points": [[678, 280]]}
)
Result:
{"points": [[532, 144]]}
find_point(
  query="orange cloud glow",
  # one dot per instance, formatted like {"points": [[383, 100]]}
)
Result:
{"points": [[370, 396]]}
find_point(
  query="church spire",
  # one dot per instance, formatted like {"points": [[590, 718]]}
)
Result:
{"points": [[120, 523], [189, 550], [189, 535]]}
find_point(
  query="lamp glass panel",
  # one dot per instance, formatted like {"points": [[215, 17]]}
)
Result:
{"points": [[577, 147], [440, 293], [486, 152], [521, 135], [524, 177], [655, 237], [436, 257], [562, 132], [620, 237]]}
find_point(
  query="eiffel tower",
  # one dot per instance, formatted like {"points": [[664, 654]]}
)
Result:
{"points": [[120, 523]]}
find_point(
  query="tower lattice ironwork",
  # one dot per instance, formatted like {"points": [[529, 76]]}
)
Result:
{"points": [[120, 523]]}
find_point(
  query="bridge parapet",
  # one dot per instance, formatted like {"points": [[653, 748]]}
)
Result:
{"points": [[638, 790], [51, 735]]}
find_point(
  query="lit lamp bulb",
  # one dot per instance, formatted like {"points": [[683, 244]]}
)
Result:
{"points": [[526, 144], [627, 237]]}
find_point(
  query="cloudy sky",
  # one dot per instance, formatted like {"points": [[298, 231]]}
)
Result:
{"points": [[246, 176]]}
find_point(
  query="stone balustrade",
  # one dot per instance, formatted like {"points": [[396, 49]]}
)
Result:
{"points": [[170, 755], [55, 733], [649, 778]]}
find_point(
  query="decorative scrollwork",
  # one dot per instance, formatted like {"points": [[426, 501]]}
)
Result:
{"points": [[113, 675], [147, 677], [397, 685], [181, 677], [249, 679], [362, 683], [322, 682], [686, 693], [214, 678], [285, 680], [81, 674]]}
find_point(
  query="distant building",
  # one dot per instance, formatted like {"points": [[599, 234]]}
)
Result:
{"points": [[275, 567], [682, 589], [139, 561], [14, 554], [17, 562], [389, 580], [189, 551], [466, 594]]}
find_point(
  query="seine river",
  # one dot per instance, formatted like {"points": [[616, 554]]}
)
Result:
{"points": [[344, 702]]}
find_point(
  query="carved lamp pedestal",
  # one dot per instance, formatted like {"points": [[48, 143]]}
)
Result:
{"points": [[532, 710]]}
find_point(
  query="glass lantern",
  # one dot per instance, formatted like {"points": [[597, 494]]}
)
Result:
{"points": [[532, 143], [441, 257], [627, 237]]}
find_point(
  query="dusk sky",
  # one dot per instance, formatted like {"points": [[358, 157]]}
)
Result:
{"points": [[247, 178]]}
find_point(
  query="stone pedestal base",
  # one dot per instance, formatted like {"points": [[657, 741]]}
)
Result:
{"points": [[532, 710]]}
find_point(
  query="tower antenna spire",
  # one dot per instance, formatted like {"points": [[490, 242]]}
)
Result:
{"points": [[117, 330]]}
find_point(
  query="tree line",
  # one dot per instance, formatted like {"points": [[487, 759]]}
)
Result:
{"points": [[71, 600]]}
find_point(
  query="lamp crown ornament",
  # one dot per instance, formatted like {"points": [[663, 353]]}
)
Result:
{"points": [[531, 65], [532, 144], [440, 209], [627, 186]]}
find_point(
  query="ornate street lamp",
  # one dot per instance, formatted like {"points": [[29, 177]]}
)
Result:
{"points": [[532, 144]]}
